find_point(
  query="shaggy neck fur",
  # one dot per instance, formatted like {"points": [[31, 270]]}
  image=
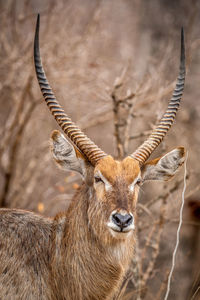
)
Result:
{"points": [[93, 267]]}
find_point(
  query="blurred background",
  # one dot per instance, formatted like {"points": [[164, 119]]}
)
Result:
{"points": [[112, 65]]}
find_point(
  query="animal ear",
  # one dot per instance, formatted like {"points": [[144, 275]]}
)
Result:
{"points": [[66, 155], [165, 167]]}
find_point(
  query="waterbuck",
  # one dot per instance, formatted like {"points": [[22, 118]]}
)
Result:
{"points": [[84, 252]]}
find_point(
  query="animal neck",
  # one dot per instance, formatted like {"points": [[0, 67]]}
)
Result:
{"points": [[93, 269]]}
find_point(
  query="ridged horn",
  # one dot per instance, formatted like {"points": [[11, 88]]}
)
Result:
{"points": [[158, 134], [79, 139]]}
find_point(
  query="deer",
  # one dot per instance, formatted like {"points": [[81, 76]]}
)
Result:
{"points": [[83, 253]]}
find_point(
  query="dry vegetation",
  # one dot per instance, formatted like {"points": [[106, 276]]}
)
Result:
{"points": [[112, 65]]}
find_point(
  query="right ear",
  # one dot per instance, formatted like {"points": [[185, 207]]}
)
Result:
{"points": [[67, 156], [165, 167]]}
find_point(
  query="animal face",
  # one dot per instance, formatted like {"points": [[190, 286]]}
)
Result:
{"points": [[116, 185]]}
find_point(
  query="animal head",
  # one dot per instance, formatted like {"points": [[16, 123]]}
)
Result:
{"points": [[114, 185]]}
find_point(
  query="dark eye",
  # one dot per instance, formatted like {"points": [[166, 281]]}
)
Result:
{"points": [[97, 179], [139, 181]]}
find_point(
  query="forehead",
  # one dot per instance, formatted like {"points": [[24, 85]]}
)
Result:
{"points": [[112, 169]]}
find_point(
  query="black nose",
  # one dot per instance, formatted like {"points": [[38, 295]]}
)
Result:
{"points": [[122, 221]]}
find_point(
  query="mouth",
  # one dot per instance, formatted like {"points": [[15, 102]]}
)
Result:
{"points": [[116, 229]]}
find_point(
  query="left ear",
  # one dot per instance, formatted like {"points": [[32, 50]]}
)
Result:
{"points": [[67, 156], [165, 167]]}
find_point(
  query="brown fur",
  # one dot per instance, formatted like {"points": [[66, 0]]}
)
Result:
{"points": [[74, 256], [112, 169]]}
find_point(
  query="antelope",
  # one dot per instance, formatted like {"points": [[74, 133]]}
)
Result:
{"points": [[83, 253]]}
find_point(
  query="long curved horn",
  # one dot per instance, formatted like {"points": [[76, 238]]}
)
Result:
{"points": [[79, 139], [157, 135]]}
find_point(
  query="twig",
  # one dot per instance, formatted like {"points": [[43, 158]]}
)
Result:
{"points": [[122, 121], [145, 209], [162, 287], [164, 196], [123, 287], [190, 193], [13, 120], [178, 233], [196, 292], [14, 150], [141, 134], [156, 248]]}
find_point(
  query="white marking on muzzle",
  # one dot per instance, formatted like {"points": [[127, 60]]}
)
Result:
{"points": [[116, 228]]}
